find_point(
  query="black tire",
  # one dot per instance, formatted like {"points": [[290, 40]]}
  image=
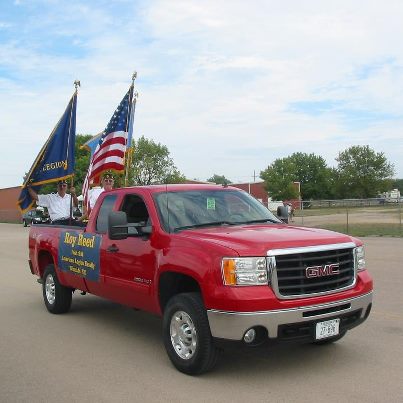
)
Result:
{"points": [[329, 340], [57, 298], [188, 309]]}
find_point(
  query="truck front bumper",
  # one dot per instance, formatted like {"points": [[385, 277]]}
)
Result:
{"points": [[294, 321]]}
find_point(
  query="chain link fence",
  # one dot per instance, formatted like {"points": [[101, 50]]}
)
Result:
{"points": [[357, 217]]}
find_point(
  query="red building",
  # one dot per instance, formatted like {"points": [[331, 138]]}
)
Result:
{"points": [[256, 189], [9, 211]]}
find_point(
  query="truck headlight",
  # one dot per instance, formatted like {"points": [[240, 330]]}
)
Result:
{"points": [[244, 271], [360, 258]]}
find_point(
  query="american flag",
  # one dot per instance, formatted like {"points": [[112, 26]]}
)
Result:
{"points": [[110, 151]]}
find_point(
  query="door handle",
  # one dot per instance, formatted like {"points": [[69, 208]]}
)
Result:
{"points": [[112, 248]]}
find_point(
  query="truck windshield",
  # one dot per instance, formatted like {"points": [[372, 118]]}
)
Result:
{"points": [[202, 208]]}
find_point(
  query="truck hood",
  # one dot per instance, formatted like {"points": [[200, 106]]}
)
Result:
{"points": [[256, 240]]}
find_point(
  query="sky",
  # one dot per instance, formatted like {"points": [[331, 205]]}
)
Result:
{"points": [[228, 86]]}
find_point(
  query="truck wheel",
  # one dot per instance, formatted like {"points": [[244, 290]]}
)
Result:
{"points": [[329, 340], [57, 297], [187, 335]]}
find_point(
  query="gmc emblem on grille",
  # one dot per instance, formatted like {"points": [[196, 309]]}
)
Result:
{"points": [[322, 271]]}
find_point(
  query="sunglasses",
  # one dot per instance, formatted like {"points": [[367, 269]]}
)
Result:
{"points": [[108, 180], [62, 185]]}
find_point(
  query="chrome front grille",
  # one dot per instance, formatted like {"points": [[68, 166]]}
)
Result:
{"points": [[289, 270]]}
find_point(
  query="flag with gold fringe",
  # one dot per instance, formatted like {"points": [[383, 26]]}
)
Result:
{"points": [[56, 159]]}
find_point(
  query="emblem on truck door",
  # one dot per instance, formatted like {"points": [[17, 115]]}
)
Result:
{"points": [[322, 271]]}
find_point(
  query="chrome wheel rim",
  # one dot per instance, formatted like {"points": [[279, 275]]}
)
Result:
{"points": [[183, 335], [50, 289]]}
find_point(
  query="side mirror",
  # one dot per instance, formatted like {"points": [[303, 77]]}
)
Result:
{"points": [[282, 213], [117, 225], [147, 230]]}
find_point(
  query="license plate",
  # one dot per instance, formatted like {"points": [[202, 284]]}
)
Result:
{"points": [[326, 329]]}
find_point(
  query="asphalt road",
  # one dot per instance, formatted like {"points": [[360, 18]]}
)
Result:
{"points": [[103, 352]]}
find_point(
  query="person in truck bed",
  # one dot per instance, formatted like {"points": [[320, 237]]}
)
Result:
{"points": [[58, 204], [107, 182]]}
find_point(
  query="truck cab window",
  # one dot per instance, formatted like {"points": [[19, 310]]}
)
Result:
{"points": [[136, 210], [106, 208]]}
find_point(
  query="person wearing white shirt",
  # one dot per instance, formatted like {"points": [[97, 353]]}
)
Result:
{"points": [[58, 204], [107, 182], [94, 193]]}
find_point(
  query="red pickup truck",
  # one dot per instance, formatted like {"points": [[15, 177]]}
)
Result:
{"points": [[213, 262]]}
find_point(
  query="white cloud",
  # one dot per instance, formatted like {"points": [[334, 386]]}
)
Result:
{"points": [[217, 79]]}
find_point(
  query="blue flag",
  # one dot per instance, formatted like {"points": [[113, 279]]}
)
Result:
{"points": [[91, 144], [56, 159]]}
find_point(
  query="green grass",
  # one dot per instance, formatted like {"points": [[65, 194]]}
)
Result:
{"points": [[392, 230], [386, 209], [319, 211]]}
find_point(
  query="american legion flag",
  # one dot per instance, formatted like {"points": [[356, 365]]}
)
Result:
{"points": [[56, 159], [109, 154]]}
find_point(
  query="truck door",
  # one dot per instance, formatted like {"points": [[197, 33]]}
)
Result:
{"points": [[128, 265]]}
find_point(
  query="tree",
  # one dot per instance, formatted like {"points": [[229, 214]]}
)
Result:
{"points": [[309, 169], [152, 164], [219, 180], [279, 178], [174, 177], [314, 176], [363, 173], [82, 161]]}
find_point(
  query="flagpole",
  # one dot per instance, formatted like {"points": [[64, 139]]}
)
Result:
{"points": [[129, 151], [76, 85], [134, 96]]}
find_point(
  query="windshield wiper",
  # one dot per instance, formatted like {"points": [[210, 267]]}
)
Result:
{"points": [[262, 221], [206, 224]]}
